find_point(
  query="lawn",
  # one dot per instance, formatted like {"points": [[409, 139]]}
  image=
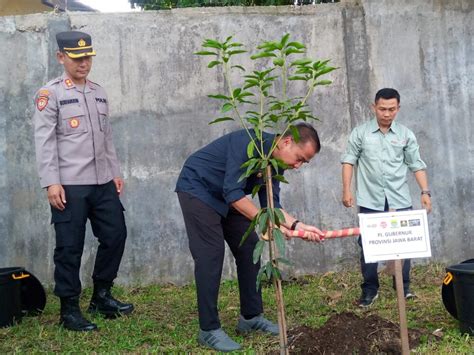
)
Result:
{"points": [[165, 317]]}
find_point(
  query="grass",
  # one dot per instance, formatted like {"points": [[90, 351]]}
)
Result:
{"points": [[165, 317]]}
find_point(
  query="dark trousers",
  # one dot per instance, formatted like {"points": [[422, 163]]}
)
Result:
{"points": [[207, 231], [370, 285], [101, 205]]}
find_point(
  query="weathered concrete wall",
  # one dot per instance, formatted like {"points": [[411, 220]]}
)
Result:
{"points": [[157, 89]]}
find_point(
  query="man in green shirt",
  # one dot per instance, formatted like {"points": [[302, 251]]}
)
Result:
{"points": [[383, 151]]}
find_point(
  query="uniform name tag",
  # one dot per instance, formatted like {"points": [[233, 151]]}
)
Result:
{"points": [[99, 99], [67, 102]]}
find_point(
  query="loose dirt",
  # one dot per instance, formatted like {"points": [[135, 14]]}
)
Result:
{"points": [[347, 333]]}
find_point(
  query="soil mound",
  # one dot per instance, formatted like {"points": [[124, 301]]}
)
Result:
{"points": [[347, 333]]}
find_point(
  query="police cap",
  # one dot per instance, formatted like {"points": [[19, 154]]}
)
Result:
{"points": [[75, 44]]}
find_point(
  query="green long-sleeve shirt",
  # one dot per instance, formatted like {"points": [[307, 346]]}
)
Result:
{"points": [[382, 162]]}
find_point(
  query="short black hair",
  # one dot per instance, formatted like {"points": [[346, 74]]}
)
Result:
{"points": [[387, 94], [306, 133]]}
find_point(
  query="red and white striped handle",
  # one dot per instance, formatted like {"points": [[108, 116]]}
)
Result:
{"points": [[338, 233]]}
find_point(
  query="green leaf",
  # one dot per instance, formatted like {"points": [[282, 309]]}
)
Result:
{"points": [[250, 149], [263, 222], [249, 230], [275, 165], [236, 92], [282, 165], [295, 133], [236, 52], [323, 71], [280, 178], [323, 82], [297, 45], [303, 61], [235, 44], [279, 240], [319, 64], [279, 62], [227, 107], [219, 97], [213, 63], [284, 40], [283, 261], [221, 119], [280, 217], [257, 252], [276, 273], [263, 55], [271, 216], [248, 162], [238, 67], [255, 190], [292, 51], [269, 269], [260, 275], [212, 44], [205, 53]]}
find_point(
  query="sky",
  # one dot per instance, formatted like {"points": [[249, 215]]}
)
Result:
{"points": [[108, 5]]}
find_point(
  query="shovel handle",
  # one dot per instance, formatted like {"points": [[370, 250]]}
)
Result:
{"points": [[331, 234]]}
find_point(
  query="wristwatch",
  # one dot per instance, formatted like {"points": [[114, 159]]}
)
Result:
{"points": [[293, 226], [426, 192]]}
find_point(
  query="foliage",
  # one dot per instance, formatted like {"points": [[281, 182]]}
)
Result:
{"points": [[165, 319], [170, 4], [263, 102]]}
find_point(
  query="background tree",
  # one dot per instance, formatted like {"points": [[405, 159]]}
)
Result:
{"points": [[170, 4]]}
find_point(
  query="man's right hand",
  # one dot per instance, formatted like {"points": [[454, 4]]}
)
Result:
{"points": [[57, 196], [347, 199]]}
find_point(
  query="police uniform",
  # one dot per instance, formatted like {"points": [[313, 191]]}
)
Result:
{"points": [[74, 148]]}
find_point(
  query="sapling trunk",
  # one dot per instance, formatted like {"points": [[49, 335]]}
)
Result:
{"points": [[273, 257]]}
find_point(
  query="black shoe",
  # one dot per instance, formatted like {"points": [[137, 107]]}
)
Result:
{"points": [[103, 302], [367, 299], [71, 316]]}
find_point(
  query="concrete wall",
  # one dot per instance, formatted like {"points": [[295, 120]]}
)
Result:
{"points": [[157, 89]]}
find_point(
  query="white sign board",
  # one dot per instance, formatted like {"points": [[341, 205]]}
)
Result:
{"points": [[394, 235]]}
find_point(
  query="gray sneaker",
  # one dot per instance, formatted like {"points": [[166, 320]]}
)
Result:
{"points": [[257, 323], [218, 340]]}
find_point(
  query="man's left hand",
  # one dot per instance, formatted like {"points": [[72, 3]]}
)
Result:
{"points": [[118, 185], [312, 233], [426, 202]]}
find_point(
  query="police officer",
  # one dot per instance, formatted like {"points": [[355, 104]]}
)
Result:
{"points": [[78, 167]]}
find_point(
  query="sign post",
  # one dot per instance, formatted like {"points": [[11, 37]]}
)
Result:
{"points": [[396, 236]]}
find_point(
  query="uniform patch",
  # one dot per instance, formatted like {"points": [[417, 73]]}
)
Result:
{"points": [[41, 102], [67, 102], [99, 99], [69, 83], [43, 92], [74, 122]]}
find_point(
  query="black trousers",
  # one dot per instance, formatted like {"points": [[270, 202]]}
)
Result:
{"points": [[207, 231], [101, 205], [370, 285]]}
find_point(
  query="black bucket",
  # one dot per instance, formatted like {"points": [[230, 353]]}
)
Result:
{"points": [[463, 286], [10, 295]]}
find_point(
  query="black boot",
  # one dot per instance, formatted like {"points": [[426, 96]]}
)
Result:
{"points": [[103, 302], [71, 316]]}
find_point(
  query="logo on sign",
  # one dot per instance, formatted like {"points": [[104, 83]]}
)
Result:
{"points": [[414, 222], [383, 224]]}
